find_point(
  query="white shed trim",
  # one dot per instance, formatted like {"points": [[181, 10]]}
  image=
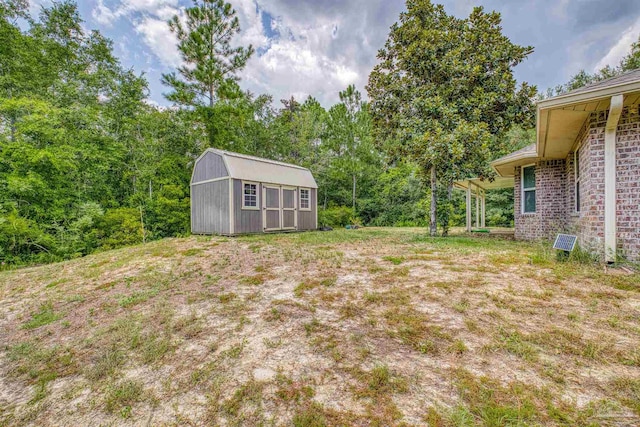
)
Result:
{"points": [[232, 223], [258, 196], [210, 181], [300, 199]]}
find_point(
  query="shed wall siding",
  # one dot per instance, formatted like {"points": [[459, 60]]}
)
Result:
{"points": [[210, 208], [246, 221], [210, 166], [307, 219]]}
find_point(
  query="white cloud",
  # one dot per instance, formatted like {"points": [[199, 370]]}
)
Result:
{"points": [[621, 48], [306, 59], [149, 19], [35, 6], [105, 16], [148, 5], [159, 38], [163, 9]]}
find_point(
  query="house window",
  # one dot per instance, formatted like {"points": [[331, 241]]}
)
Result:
{"points": [[576, 168], [305, 199], [250, 195], [529, 189]]}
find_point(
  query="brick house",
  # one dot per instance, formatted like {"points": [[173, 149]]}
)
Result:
{"points": [[582, 176]]}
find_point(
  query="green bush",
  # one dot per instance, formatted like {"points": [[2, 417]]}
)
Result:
{"points": [[23, 241], [339, 216], [120, 227], [169, 212]]}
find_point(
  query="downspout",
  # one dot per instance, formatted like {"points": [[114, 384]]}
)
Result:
{"points": [[610, 232]]}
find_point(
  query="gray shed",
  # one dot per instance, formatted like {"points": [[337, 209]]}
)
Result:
{"points": [[234, 193]]}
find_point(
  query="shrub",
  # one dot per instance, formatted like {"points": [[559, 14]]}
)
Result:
{"points": [[169, 212], [120, 227], [337, 217]]}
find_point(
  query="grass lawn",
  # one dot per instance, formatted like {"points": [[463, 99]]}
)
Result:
{"points": [[369, 327]]}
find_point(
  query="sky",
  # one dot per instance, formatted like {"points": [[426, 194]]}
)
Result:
{"points": [[319, 47]]}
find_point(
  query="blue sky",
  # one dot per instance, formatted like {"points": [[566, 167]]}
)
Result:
{"points": [[318, 47]]}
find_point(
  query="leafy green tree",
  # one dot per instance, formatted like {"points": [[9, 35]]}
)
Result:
{"points": [[444, 92], [211, 64], [79, 147], [398, 198], [632, 60], [349, 139]]}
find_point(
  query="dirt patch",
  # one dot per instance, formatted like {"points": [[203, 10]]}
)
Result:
{"points": [[350, 327]]}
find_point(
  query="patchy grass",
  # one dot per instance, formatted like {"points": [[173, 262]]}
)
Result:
{"points": [[352, 327], [121, 396], [43, 316], [395, 260]]}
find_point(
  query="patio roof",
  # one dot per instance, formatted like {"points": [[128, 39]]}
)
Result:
{"points": [[477, 188], [485, 184]]}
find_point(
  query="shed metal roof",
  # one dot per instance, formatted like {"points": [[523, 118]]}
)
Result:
{"points": [[251, 168]]}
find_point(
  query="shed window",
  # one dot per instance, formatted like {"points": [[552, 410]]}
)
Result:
{"points": [[529, 189], [305, 198], [250, 196], [576, 167]]}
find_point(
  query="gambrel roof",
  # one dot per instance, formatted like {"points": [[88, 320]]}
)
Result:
{"points": [[251, 168]]}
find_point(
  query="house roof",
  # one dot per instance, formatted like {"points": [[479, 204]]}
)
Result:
{"points": [[621, 79], [504, 165], [561, 118], [251, 168]]}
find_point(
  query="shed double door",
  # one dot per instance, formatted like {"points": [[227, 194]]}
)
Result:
{"points": [[279, 208]]}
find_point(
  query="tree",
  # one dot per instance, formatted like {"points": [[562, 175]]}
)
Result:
{"points": [[211, 64], [444, 94], [84, 161], [349, 138], [632, 60]]}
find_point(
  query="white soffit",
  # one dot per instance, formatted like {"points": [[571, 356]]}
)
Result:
{"points": [[559, 132]]}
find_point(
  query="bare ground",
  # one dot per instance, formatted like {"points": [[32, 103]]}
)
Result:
{"points": [[366, 327]]}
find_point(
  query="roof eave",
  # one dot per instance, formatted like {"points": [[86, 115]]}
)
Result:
{"points": [[588, 95], [511, 162]]}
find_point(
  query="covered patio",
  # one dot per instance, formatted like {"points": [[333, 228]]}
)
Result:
{"points": [[476, 189]]}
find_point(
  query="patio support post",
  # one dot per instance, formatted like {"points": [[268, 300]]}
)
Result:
{"points": [[610, 234], [477, 207], [468, 206], [484, 207]]}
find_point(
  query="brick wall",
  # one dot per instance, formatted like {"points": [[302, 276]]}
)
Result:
{"points": [[555, 189], [628, 183], [588, 223], [550, 216]]}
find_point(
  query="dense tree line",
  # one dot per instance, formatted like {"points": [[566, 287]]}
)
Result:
{"points": [[87, 164]]}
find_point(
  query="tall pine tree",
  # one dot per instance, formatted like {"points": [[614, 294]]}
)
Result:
{"points": [[211, 64]]}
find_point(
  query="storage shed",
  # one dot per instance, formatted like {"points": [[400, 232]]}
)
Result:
{"points": [[235, 193]]}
